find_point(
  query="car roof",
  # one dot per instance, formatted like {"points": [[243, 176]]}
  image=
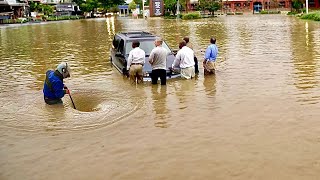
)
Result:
{"points": [[136, 35]]}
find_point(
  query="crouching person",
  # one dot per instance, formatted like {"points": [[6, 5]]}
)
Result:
{"points": [[185, 61], [135, 62], [54, 89]]}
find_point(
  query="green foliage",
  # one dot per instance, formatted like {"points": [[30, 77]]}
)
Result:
{"points": [[43, 8], [171, 6], [292, 13], [269, 12], [138, 2], [297, 5], [90, 5], [191, 16], [132, 5], [59, 18], [312, 16], [210, 5], [33, 6], [114, 9], [47, 9]]}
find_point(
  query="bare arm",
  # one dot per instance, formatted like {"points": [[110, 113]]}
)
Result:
{"points": [[151, 57], [177, 60], [129, 60]]}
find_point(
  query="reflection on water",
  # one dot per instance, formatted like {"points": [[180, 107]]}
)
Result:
{"points": [[209, 84], [261, 109], [306, 63], [111, 27], [159, 101]]}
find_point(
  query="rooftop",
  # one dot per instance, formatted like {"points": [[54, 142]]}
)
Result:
{"points": [[137, 34]]}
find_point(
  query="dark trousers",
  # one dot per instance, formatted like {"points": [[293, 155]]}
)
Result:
{"points": [[196, 67], [52, 101], [156, 73]]}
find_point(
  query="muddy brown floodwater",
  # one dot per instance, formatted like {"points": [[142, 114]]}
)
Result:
{"points": [[257, 118]]}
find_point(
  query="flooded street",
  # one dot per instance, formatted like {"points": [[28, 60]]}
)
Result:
{"points": [[257, 118]]}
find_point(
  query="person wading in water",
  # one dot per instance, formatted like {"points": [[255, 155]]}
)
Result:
{"points": [[196, 67], [209, 63], [54, 89]]}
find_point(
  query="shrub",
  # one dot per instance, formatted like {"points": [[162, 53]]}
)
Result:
{"points": [[191, 16], [270, 12], [58, 18], [312, 16], [292, 13], [167, 13]]}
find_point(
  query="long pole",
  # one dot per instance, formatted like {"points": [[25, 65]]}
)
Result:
{"points": [[307, 6], [186, 6], [143, 8], [72, 102]]}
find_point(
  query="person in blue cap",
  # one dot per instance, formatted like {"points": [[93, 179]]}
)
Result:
{"points": [[54, 89]]}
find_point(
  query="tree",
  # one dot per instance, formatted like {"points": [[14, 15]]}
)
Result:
{"points": [[47, 9], [132, 5], [210, 5], [297, 5], [91, 5], [171, 6], [138, 2], [114, 9]]}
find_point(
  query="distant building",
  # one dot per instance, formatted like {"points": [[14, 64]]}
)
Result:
{"points": [[12, 9], [258, 5], [67, 9], [124, 9]]}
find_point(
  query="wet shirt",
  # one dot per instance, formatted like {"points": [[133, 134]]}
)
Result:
{"points": [[211, 53], [136, 55], [53, 86], [158, 58], [184, 58]]}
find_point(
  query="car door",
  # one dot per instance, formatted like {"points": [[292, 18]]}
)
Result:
{"points": [[121, 56], [116, 54]]}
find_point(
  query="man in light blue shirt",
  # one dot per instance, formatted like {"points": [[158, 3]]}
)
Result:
{"points": [[210, 57]]}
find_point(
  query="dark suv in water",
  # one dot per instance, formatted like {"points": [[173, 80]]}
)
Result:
{"points": [[122, 45]]}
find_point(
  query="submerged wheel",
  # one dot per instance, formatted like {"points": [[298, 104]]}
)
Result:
{"points": [[125, 72]]}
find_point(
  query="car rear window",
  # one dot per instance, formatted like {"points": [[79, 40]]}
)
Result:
{"points": [[147, 46]]}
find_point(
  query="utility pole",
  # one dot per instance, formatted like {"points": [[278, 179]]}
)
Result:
{"points": [[143, 9], [307, 6], [186, 6], [178, 9]]}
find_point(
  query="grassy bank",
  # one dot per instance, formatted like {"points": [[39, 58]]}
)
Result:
{"points": [[312, 16], [41, 19], [193, 15], [59, 18]]}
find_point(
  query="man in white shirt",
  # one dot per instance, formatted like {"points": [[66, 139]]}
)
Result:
{"points": [[135, 62], [158, 61], [185, 61]]}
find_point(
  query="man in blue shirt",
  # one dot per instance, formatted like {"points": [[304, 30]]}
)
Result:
{"points": [[210, 57], [54, 89]]}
